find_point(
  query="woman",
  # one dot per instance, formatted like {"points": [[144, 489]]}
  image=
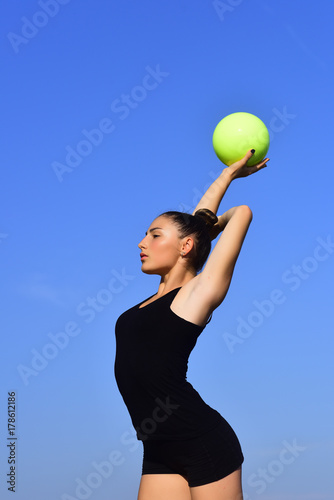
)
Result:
{"points": [[190, 451]]}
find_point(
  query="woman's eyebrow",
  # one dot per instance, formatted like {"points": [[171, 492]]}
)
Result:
{"points": [[153, 228]]}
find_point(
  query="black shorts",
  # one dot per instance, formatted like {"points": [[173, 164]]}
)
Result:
{"points": [[200, 460]]}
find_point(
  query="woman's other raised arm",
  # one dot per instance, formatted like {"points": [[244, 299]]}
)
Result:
{"points": [[214, 280]]}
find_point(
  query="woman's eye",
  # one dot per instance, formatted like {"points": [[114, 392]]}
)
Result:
{"points": [[156, 235]]}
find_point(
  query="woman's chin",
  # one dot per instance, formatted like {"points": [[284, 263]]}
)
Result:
{"points": [[148, 270]]}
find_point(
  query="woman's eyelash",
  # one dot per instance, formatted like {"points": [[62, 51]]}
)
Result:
{"points": [[155, 235]]}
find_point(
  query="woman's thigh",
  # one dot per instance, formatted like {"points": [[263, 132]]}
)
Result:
{"points": [[163, 487], [228, 488]]}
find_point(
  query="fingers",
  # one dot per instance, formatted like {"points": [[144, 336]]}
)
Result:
{"points": [[241, 169], [250, 152], [248, 155], [255, 168], [262, 163]]}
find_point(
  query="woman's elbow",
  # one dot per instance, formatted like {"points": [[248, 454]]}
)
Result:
{"points": [[246, 211]]}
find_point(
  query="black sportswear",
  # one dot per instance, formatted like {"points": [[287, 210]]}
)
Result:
{"points": [[153, 345]]}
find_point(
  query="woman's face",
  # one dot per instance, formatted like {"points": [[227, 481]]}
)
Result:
{"points": [[161, 247]]}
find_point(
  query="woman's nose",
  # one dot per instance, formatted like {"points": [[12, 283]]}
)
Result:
{"points": [[141, 244]]}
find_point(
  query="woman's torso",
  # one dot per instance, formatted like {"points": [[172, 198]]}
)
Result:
{"points": [[153, 345]]}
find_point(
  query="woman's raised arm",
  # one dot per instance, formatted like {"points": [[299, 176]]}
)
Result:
{"points": [[214, 281]]}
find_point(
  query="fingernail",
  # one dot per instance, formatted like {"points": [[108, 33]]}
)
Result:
{"points": [[253, 151]]}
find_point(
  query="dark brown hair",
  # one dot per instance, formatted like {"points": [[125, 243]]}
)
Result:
{"points": [[199, 226]]}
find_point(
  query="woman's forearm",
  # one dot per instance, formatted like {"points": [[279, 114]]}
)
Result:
{"points": [[223, 221], [214, 194], [225, 218]]}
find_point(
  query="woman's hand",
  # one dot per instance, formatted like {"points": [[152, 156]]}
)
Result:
{"points": [[241, 169], [214, 194]]}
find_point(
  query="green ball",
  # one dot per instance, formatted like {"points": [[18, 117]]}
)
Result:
{"points": [[238, 133]]}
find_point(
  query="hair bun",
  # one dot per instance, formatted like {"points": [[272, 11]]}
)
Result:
{"points": [[208, 217]]}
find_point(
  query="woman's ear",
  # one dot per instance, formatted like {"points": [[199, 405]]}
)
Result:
{"points": [[187, 244]]}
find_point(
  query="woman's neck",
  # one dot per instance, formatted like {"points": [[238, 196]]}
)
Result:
{"points": [[174, 280]]}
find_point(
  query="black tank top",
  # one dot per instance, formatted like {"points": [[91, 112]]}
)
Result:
{"points": [[153, 345]]}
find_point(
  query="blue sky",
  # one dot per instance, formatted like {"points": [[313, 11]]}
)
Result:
{"points": [[108, 111]]}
